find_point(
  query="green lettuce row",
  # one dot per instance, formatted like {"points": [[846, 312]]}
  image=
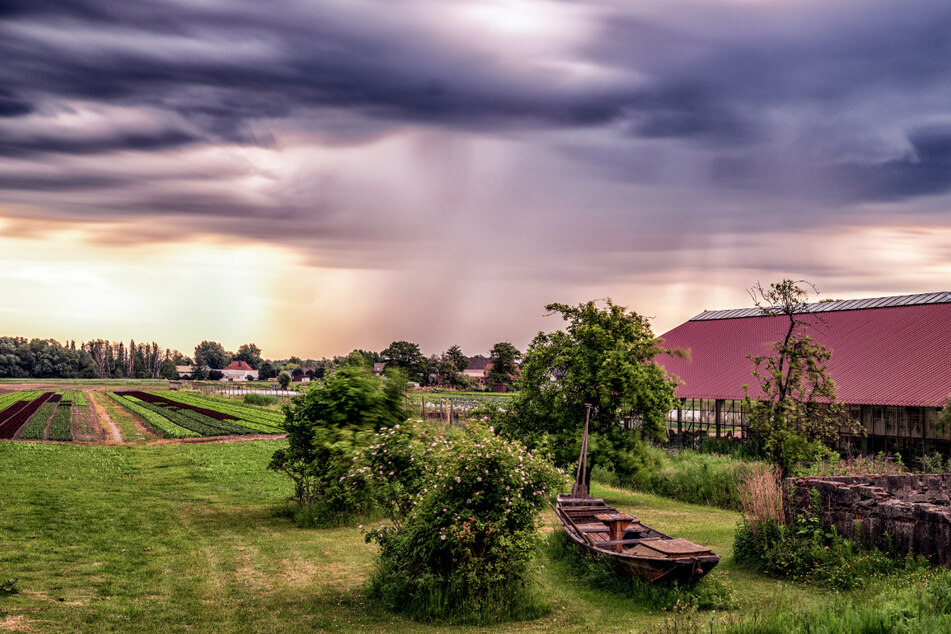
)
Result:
{"points": [[202, 426], [35, 428], [273, 420], [157, 421], [60, 428]]}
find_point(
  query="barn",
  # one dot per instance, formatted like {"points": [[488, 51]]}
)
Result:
{"points": [[891, 361]]}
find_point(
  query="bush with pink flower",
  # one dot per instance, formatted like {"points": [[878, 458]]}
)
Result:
{"points": [[464, 507]]}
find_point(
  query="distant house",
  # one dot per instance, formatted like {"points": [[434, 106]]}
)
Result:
{"points": [[378, 368], [478, 369], [238, 371]]}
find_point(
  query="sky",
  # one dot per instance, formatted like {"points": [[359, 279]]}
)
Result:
{"points": [[316, 176]]}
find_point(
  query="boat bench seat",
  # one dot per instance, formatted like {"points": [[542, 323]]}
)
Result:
{"points": [[596, 527]]}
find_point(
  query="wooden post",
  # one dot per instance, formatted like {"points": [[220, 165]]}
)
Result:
{"points": [[680, 425], [718, 414]]}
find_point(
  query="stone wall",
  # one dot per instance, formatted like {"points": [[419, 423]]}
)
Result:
{"points": [[907, 513]]}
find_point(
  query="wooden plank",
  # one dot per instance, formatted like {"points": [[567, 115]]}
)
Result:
{"points": [[592, 528]]}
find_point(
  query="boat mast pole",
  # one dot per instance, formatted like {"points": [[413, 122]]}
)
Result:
{"points": [[580, 489]]}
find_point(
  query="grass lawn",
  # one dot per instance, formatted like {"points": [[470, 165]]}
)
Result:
{"points": [[185, 537]]}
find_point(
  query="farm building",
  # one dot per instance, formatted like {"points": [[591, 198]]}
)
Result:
{"points": [[890, 362], [238, 371]]}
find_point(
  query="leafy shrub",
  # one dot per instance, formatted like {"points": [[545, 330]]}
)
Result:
{"points": [[710, 593], [326, 426], [463, 508], [809, 552], [259, 399]]}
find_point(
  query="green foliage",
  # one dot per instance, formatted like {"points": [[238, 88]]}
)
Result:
{"points": [[35, 429], [796, 417], [605, 357], [212, 354], [283, 379], [459, 360], [463, 508], [155, 420], [60, 425], [250, 354], [687, 476], [8, 586], [326, 426], [260, 400], [713, 592], [168, 371], [504, 358], [407, 358], [808, 552]]}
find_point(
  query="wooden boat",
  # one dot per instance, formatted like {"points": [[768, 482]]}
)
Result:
{"points": [[635, 548]]}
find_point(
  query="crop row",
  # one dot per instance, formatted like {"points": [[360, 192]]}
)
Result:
{"points": [[6, 400], [156, 421], [16, 415], [60, 425], [35, 428], [79, 399], [66, 399], [264, 421], [196, 421]]}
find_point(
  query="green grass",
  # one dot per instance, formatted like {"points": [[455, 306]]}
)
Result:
{"points": [[188, 537]]}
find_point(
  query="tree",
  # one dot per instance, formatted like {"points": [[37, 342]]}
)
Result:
{"points": [[215, 375], [406, 357], [283, 379], [250, 354], [325, 427], [213, 353], [504, 358], [605, 357], [454, 354], [168, 370], [266, 371], [796, 416]]}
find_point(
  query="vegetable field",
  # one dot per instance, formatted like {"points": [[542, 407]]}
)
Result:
{"points": [[38, 415], [183, 415]]}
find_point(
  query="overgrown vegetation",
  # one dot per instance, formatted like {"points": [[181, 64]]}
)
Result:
{"points": [[688, 476], [806, 550], [463, 508], [326, 426]]}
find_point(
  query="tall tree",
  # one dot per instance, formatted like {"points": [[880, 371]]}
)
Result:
{"points": [[605, 358], [250, 354], [214, 354], [796, 416], [406, 356], [454, 354], [504, 358]]}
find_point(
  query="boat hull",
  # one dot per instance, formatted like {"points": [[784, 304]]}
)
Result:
{"points": [[640, 551]]}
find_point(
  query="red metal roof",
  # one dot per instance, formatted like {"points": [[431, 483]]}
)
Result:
{"points": [[880, 356], [239, 365]]}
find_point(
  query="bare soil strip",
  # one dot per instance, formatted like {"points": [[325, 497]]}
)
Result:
{"points": [[84, 424], [103, 416]]}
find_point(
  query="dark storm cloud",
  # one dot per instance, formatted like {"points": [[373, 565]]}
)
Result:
{"points": [[832, 104]]}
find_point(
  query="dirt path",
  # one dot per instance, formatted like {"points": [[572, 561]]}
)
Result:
{"points": [[110, 425]]}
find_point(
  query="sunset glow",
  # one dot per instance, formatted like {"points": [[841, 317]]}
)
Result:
{"points": [[319, 178]]}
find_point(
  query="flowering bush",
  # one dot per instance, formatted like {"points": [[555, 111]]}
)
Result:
{"points": [[463, 508]]}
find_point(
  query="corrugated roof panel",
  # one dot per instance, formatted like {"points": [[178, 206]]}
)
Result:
{"points": [[841, 305], [880, 356]]}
